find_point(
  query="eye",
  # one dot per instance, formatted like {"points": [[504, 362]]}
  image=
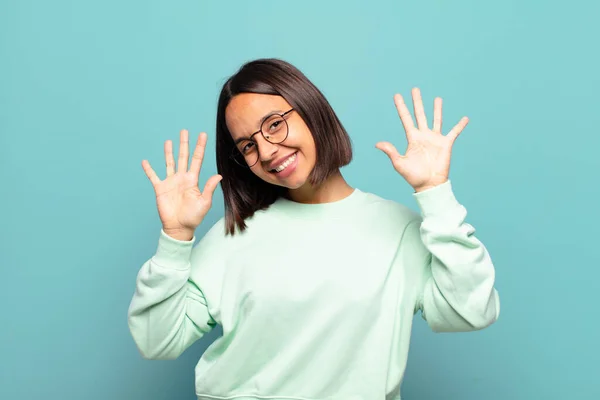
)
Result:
{"points": [[275, 124], [247, 147]]}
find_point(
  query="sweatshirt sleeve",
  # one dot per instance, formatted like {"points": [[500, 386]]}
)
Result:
{"points": [[168, 312], [456, 273]]}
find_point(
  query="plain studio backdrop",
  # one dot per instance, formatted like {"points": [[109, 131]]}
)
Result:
{"points": [[90, 88]]}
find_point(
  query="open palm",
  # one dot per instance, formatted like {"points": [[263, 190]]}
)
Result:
{"points": [[426, 161], [181, 204]]}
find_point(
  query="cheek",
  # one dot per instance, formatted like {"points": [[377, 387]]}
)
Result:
{"points": [[304, 140], [260, 172], [310, 149]]}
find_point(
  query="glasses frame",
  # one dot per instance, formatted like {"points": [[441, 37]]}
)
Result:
{"points": [[237, 153]]}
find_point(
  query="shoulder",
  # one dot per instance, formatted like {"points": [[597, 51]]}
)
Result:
{"points": [[216, 236], [212, 239], [214, 245]]}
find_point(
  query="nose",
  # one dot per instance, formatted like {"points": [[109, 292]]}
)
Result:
{"points": [[266, 149]]}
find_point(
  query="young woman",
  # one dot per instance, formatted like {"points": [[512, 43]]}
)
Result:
{"points": [[314, 282]]}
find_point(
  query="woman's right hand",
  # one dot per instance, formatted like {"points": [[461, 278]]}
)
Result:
{"points": [[181, 205]]}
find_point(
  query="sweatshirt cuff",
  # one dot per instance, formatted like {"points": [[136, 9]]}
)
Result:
{"points": [[437, 200], [173, 253]]}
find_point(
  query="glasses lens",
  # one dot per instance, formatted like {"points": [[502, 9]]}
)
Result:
{"points": [[246, 153], [275, 129]]}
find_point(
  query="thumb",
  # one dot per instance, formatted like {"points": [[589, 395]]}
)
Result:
{"points": [[389, 150], [211, 185], [395, 157]]}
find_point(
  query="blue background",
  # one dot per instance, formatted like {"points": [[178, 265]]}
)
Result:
{"points": [[89, 89]]}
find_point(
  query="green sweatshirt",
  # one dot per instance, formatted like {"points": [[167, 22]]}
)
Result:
{"points": [[316, 301]]}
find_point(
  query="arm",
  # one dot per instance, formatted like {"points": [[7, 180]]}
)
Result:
{"points": [[168, 312], [456, 292], [456, 274]]}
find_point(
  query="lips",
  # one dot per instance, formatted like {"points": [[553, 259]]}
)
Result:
{"points": [[277, 163]]}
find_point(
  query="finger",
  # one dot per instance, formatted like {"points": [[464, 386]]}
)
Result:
{"points": [[404, 114], [211, 185], [184, 151], [419, 109], [437, 115], [458, 128], [170, 162], [154, 179], [198, 155]]}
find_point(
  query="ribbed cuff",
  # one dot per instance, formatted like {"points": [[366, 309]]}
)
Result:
{"points": [[437, 200], [173, 253]]}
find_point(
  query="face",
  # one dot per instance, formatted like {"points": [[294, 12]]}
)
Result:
{"points": [[286, 164]]}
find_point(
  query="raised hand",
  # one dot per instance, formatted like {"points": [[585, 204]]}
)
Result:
{"points": [[426, 162], [181, 204]]}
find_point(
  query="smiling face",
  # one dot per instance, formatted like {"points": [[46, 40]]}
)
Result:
{"points": [[286, 164]]}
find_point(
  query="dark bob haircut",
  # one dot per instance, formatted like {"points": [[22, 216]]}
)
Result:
{"points": [[244, 193]]}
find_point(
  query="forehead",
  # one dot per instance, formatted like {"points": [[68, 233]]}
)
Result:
{"points": [[245, 112]]}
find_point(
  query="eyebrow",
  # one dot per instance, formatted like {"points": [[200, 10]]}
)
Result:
{"points": [[270, 114]]}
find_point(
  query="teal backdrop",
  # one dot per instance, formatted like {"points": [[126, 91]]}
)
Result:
{"points": [[90, 88]]}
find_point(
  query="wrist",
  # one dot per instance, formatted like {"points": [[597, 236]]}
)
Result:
{"points": [[180, 234], [429, 185]]}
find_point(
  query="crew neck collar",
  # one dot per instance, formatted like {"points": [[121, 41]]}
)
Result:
{"points": [[295, 208]]}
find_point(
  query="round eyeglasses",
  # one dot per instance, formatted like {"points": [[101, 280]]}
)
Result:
{"points": [[274, 129]]}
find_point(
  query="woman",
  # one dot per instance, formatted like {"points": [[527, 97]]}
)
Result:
{"points": [[314, 282]]}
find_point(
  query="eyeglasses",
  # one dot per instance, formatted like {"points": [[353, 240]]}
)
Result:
{"points": [[274, 129]]}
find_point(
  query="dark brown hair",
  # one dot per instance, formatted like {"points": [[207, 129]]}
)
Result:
{"points": [[244, 193]]}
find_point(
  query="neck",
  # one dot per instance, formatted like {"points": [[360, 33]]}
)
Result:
{"points": [[333, 189]]}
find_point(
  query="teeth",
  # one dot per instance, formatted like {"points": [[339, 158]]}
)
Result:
{"points": [[286, 163]]}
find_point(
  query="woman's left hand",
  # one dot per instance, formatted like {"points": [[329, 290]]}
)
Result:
{"points": [[426, 162]]}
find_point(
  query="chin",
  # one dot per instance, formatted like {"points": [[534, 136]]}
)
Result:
{"points": [[291, 182], [294, 185]]}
